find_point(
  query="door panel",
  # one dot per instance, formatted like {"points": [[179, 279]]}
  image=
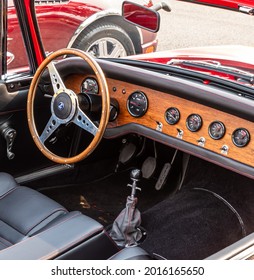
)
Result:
{"points": [[13, 116]]}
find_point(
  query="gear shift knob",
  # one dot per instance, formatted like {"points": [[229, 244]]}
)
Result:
{"points": [[136, 174]]}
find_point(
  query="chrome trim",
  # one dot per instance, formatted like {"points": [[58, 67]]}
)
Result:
{"points": [[47, 2], [244, 255], [240, 250], [246, 10], [43, 173]]}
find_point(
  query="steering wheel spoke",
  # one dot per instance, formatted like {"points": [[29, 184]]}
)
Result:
{"points": [[51, 126], [65, 105], [55, 78], [83, 121]]}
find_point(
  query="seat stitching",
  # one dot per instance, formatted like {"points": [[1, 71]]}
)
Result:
{"points": [[32, 237], [50, 214], [25, 233], [8, 192], [7, 241], [63, 248], [12, 226]]}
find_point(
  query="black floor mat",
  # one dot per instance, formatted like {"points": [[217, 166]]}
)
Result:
{"points": [[214, 208], [103, 199], [192, 225]]}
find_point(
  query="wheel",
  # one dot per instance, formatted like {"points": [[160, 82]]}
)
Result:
{"points": [[105, 40], [65, 107]]}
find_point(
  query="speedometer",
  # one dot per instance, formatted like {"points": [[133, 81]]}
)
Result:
{"points": [[137, 104]]}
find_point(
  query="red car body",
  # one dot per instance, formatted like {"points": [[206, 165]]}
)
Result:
{"points": [[229, 56], [73, 17]]}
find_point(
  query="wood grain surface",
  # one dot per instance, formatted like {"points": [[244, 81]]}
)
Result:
{"points": [[159, 102]]}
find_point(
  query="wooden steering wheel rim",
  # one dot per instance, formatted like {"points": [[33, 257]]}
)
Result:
{"points": [[104, 113]]}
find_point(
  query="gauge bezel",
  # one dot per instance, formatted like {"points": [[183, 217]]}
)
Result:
{"points": [[167, 120], [141, 113], [241, 145], [221, 135], [200, 122], [89, 78]]}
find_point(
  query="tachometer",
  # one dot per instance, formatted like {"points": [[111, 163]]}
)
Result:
{"points": [[241, 137], [137, 104], [216, 130], [90, 85], [194, 122]]}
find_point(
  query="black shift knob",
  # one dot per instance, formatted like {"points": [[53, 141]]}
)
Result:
{"points": [[136, 174]]}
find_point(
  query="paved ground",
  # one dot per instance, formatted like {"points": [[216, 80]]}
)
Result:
{"points": [[191, 25]]}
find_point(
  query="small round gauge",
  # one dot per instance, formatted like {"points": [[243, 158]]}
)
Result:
{"points": [[90, 85], [172, 115], [137, 104], [194, 122], [216, 130], [241, 137]]}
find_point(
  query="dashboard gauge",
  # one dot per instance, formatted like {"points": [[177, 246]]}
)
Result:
{"points": [[216, 130], [194, 122], [241, 137], [90, 85], [172, 115], [137, 104]]}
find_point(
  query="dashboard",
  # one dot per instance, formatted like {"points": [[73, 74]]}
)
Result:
{"points": [[165, 112]]}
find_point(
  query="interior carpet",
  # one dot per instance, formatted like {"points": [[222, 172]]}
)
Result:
{"points": [[103, 199], [213, 209], [192, 225]]}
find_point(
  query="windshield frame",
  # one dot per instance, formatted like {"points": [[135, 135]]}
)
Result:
{"points": [[29, 31], [3, 34]]}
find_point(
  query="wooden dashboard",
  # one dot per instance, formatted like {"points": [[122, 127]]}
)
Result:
{"points": [[154, 118]]}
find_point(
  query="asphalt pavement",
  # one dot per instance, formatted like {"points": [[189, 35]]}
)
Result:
{"points": [[194, 25]]}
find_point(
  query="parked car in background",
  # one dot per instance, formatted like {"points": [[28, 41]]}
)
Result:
{"points": [[244, 6], [93, 26]]}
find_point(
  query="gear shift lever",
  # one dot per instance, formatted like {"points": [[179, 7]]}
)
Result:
{"points": [[135, 176], [125, 229]]}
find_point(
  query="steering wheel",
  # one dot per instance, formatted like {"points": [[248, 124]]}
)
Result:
{"points": [[65, 106]]}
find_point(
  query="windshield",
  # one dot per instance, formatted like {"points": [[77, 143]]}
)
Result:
{"points": [[217, 38], [192, 25]]}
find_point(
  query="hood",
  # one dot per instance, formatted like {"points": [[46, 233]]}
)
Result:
{"points": [[228, 55]]}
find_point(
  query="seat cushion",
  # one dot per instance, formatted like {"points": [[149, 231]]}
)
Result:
{"points": [[23, 211]]}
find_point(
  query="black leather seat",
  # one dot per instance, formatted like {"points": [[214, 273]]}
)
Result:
{"points": [[24, 212], [33, 226]]}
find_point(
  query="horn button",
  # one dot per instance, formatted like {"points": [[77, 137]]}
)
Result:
{"points": [[63, 106]]}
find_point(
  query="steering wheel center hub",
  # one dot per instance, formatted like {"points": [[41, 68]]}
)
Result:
{"points": [[63, 106]]}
